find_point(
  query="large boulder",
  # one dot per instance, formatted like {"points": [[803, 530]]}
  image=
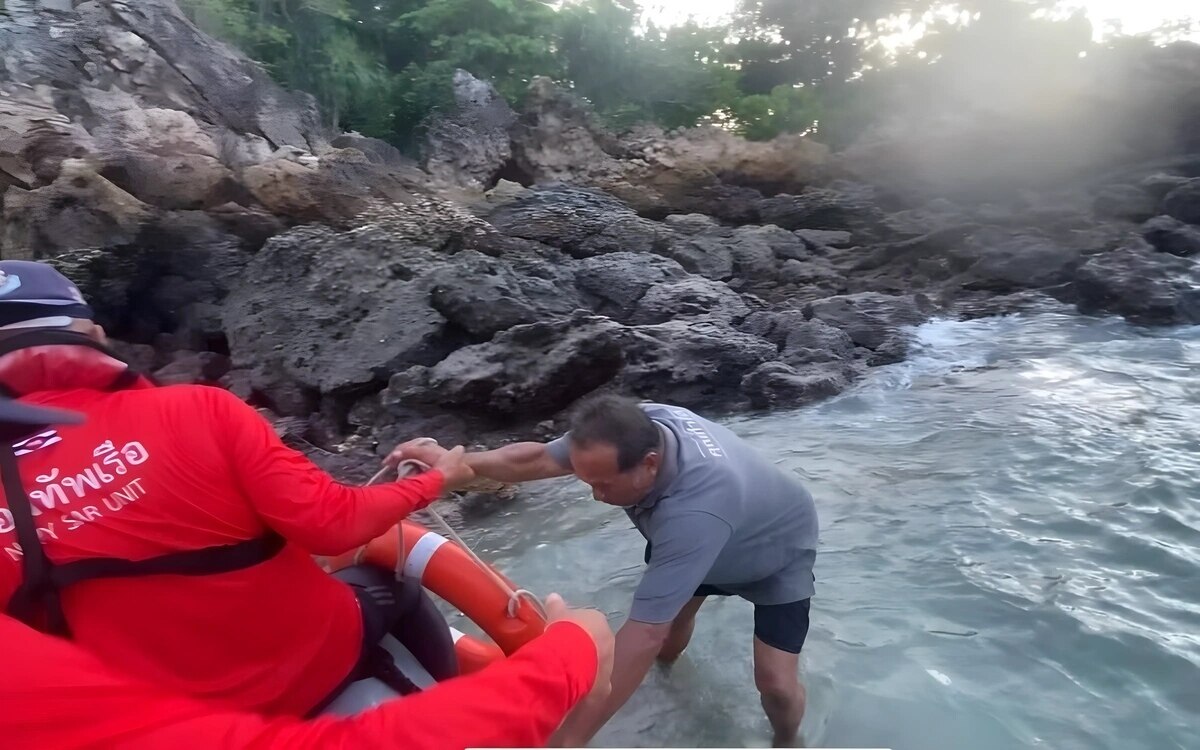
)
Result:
{"points": [[815, 342], [708, 255], [530, 371], [1144, 286], [80, 209], [692, 297], [818, 240], [874, 321], [775, 384], [934, 216], [469, 145], [581, 222], [838, 207], [333, 312], [1172, 236], [302, 191], [170, 281], [692, 363], [1183, 202], [757, 251], [1012, 261], [613, 284], [559, 139], [1160, 184], [801, 341], [483, 295]]}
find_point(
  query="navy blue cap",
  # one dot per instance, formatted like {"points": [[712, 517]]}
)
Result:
{"points": [[36, 295]]}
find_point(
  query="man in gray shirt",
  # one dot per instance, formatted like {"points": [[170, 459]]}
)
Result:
{"points": [[719, 519]]}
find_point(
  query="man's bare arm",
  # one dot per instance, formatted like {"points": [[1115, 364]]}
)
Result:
{"points": [[519, 462]]}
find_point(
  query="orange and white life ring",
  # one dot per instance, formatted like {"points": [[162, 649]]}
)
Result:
{"points": [[449, 571]]}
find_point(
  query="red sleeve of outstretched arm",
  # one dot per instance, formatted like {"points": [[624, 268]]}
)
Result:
{"points": [[297, 498], [518, 702], [55, 694]]}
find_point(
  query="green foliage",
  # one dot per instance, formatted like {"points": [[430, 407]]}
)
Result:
{"points": [[787, 109], [381, 66]]}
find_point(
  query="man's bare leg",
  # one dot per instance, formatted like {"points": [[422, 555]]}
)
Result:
{"points": [[681, 631], [777, 677]]}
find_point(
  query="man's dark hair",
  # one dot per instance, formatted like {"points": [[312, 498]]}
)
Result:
{"points": [[620, 422]]}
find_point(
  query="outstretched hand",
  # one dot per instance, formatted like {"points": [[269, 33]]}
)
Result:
{"points": [[454, 468], [423, 450]]}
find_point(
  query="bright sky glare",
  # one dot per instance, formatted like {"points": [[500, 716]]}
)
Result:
{"points": [[1134, 16]]}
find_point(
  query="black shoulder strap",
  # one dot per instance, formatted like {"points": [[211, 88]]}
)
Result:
{"points": [[35, 586], [198, 562]]}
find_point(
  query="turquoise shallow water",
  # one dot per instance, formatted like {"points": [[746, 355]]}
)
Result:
{"points": [[1010, 552]]}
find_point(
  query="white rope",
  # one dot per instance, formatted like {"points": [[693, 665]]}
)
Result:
{"points": [[408, 468]]}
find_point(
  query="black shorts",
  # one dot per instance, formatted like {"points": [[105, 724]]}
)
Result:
{"points": [[781, 626]]}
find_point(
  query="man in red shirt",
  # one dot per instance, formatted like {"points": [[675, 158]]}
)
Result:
{"points": [[57, 695], [171, 534]]}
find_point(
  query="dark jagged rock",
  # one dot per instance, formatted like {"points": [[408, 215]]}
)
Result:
{"points": [[1146, 287], [1183, 202], [871, 319], [776, 384], [1126, 202], [1172, 236], [819, 239], [142, 357], [693, 297], [932, 217], [1158, 185], [838, 207], [484, 296], [815, 342], [333, 314], [1011, 261], [615, 283], [691, 363], [708, 256], [581, 222], [816, 273], [531, 371]]}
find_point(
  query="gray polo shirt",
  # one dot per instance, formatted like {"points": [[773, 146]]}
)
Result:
{"points": [[721, 514]]}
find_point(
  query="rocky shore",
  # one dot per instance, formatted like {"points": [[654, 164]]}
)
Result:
{"points": [[530, 258]]}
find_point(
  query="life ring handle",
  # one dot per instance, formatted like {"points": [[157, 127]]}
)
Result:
{"points": [[509, 615], [451, 572]]}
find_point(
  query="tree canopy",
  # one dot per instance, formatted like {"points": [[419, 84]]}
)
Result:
{"points": [[381, 66]]}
